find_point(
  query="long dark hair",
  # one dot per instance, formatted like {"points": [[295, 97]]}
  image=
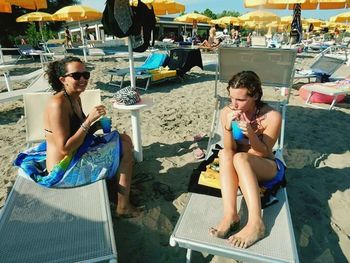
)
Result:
{"points": [[57, 69], [249, 80]]}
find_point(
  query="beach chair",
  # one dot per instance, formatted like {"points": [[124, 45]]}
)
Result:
{"points": [[153, 61], [39, 224], [259, 41], [96, 52], [275, 68], [38, 83], [58, 51], [323, 67]]}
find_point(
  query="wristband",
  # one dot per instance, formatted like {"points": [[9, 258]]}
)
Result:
{"points": [[85, 129], [227, 129]]}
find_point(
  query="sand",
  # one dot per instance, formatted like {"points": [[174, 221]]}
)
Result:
{"points": [[316, 151]]}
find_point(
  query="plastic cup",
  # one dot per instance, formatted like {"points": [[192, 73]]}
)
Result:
{"points": [[106, 123], [236, 131]]}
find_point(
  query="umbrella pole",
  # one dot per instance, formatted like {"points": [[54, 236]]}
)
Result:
{"points": [[84, 44], [131, 64], [1, 56]]}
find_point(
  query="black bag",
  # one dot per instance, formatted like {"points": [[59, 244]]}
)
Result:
{"points": [[121, 20]]}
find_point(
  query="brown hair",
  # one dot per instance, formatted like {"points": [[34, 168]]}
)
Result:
{"points": [[249, 80]]}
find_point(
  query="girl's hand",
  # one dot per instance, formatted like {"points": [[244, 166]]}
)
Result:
{"points": [[246, 128], [96, 113], [233, 115]]}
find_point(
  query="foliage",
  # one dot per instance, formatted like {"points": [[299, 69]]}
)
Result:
{"points": [[207, 12], [33, 36], [11, 31], [228, 13]]}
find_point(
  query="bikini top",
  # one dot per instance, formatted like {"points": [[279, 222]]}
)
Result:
{"points": [[255, 123], [74, 121]]}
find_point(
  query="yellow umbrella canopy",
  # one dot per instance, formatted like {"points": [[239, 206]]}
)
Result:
{"points": [[76, 13], [260, 16], [315, 22], [305, 4], [192, 17], [29, 4], [343, 17], [228, 20], [165, 7], [217, 22], [286, 20], [34, 16], [5, 7]]}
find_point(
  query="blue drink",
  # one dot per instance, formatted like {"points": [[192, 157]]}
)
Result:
{"points": [[236, 131], [106, 124]]}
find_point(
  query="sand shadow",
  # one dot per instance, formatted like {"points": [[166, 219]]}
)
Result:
{"points": [[309, 186]]}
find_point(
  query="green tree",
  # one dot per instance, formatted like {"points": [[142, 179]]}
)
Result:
{"points": [[207, 12], [228, 13], [10, 30]]}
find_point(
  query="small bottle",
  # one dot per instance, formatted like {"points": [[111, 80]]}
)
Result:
{"points": [[236, 131]]}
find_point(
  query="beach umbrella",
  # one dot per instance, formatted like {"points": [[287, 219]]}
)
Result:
{"points": [[39, 17], [343, 18], [5, 7], [77, 13], [29, 4], [260, 16], [165, 7], [304, 4], [192, 17], [230, 20], [217, 22]]}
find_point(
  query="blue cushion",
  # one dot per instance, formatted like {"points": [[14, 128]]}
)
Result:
{"points": [[155, 60]]}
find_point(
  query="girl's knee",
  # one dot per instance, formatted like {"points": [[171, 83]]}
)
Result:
{"points": [[127, 147], [240, 157]]}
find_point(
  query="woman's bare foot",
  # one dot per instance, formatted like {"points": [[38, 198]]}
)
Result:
{"points": [[224, 228], [128, 212], [248, 235]]}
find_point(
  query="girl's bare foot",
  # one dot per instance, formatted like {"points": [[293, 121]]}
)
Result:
{"points": [[224, 228], [248, 235]]}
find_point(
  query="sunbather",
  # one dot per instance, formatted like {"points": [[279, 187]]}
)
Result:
{"points": [[68, 131], [249, 162]]}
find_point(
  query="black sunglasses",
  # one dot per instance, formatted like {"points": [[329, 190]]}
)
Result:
{"points": [[78, 75]]}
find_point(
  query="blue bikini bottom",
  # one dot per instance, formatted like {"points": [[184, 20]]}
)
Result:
{"points": [[281, 168]]}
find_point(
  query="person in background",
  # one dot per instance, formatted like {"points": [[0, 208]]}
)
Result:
{"points": [[67, 38], [86, 33]]}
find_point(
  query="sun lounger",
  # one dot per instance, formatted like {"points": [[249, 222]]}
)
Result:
{"points": [[39, 224], [154, 61], [323, 66], [39, 83], [275, 68], [329, 88]]}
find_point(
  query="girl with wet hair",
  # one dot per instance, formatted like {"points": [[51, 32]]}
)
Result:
{"points": [[69, 132], [247, 162]]}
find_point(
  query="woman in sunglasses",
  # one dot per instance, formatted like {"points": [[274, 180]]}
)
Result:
{"points": [[72, 150]]}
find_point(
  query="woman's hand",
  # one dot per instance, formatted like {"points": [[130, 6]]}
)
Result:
{"points": [[245, 125], [96, 113], [232, 115]]}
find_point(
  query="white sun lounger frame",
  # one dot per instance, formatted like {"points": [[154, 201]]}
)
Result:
{"points": [[275, 67]]}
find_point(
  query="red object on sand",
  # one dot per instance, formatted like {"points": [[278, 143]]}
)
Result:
{"points": [[318, 97]]}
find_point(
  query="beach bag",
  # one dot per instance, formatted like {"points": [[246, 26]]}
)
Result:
{"points": [[121, 20], [127, 96]]}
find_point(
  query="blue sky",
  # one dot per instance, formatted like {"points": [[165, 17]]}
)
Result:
{"points": [[234, 5]]}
